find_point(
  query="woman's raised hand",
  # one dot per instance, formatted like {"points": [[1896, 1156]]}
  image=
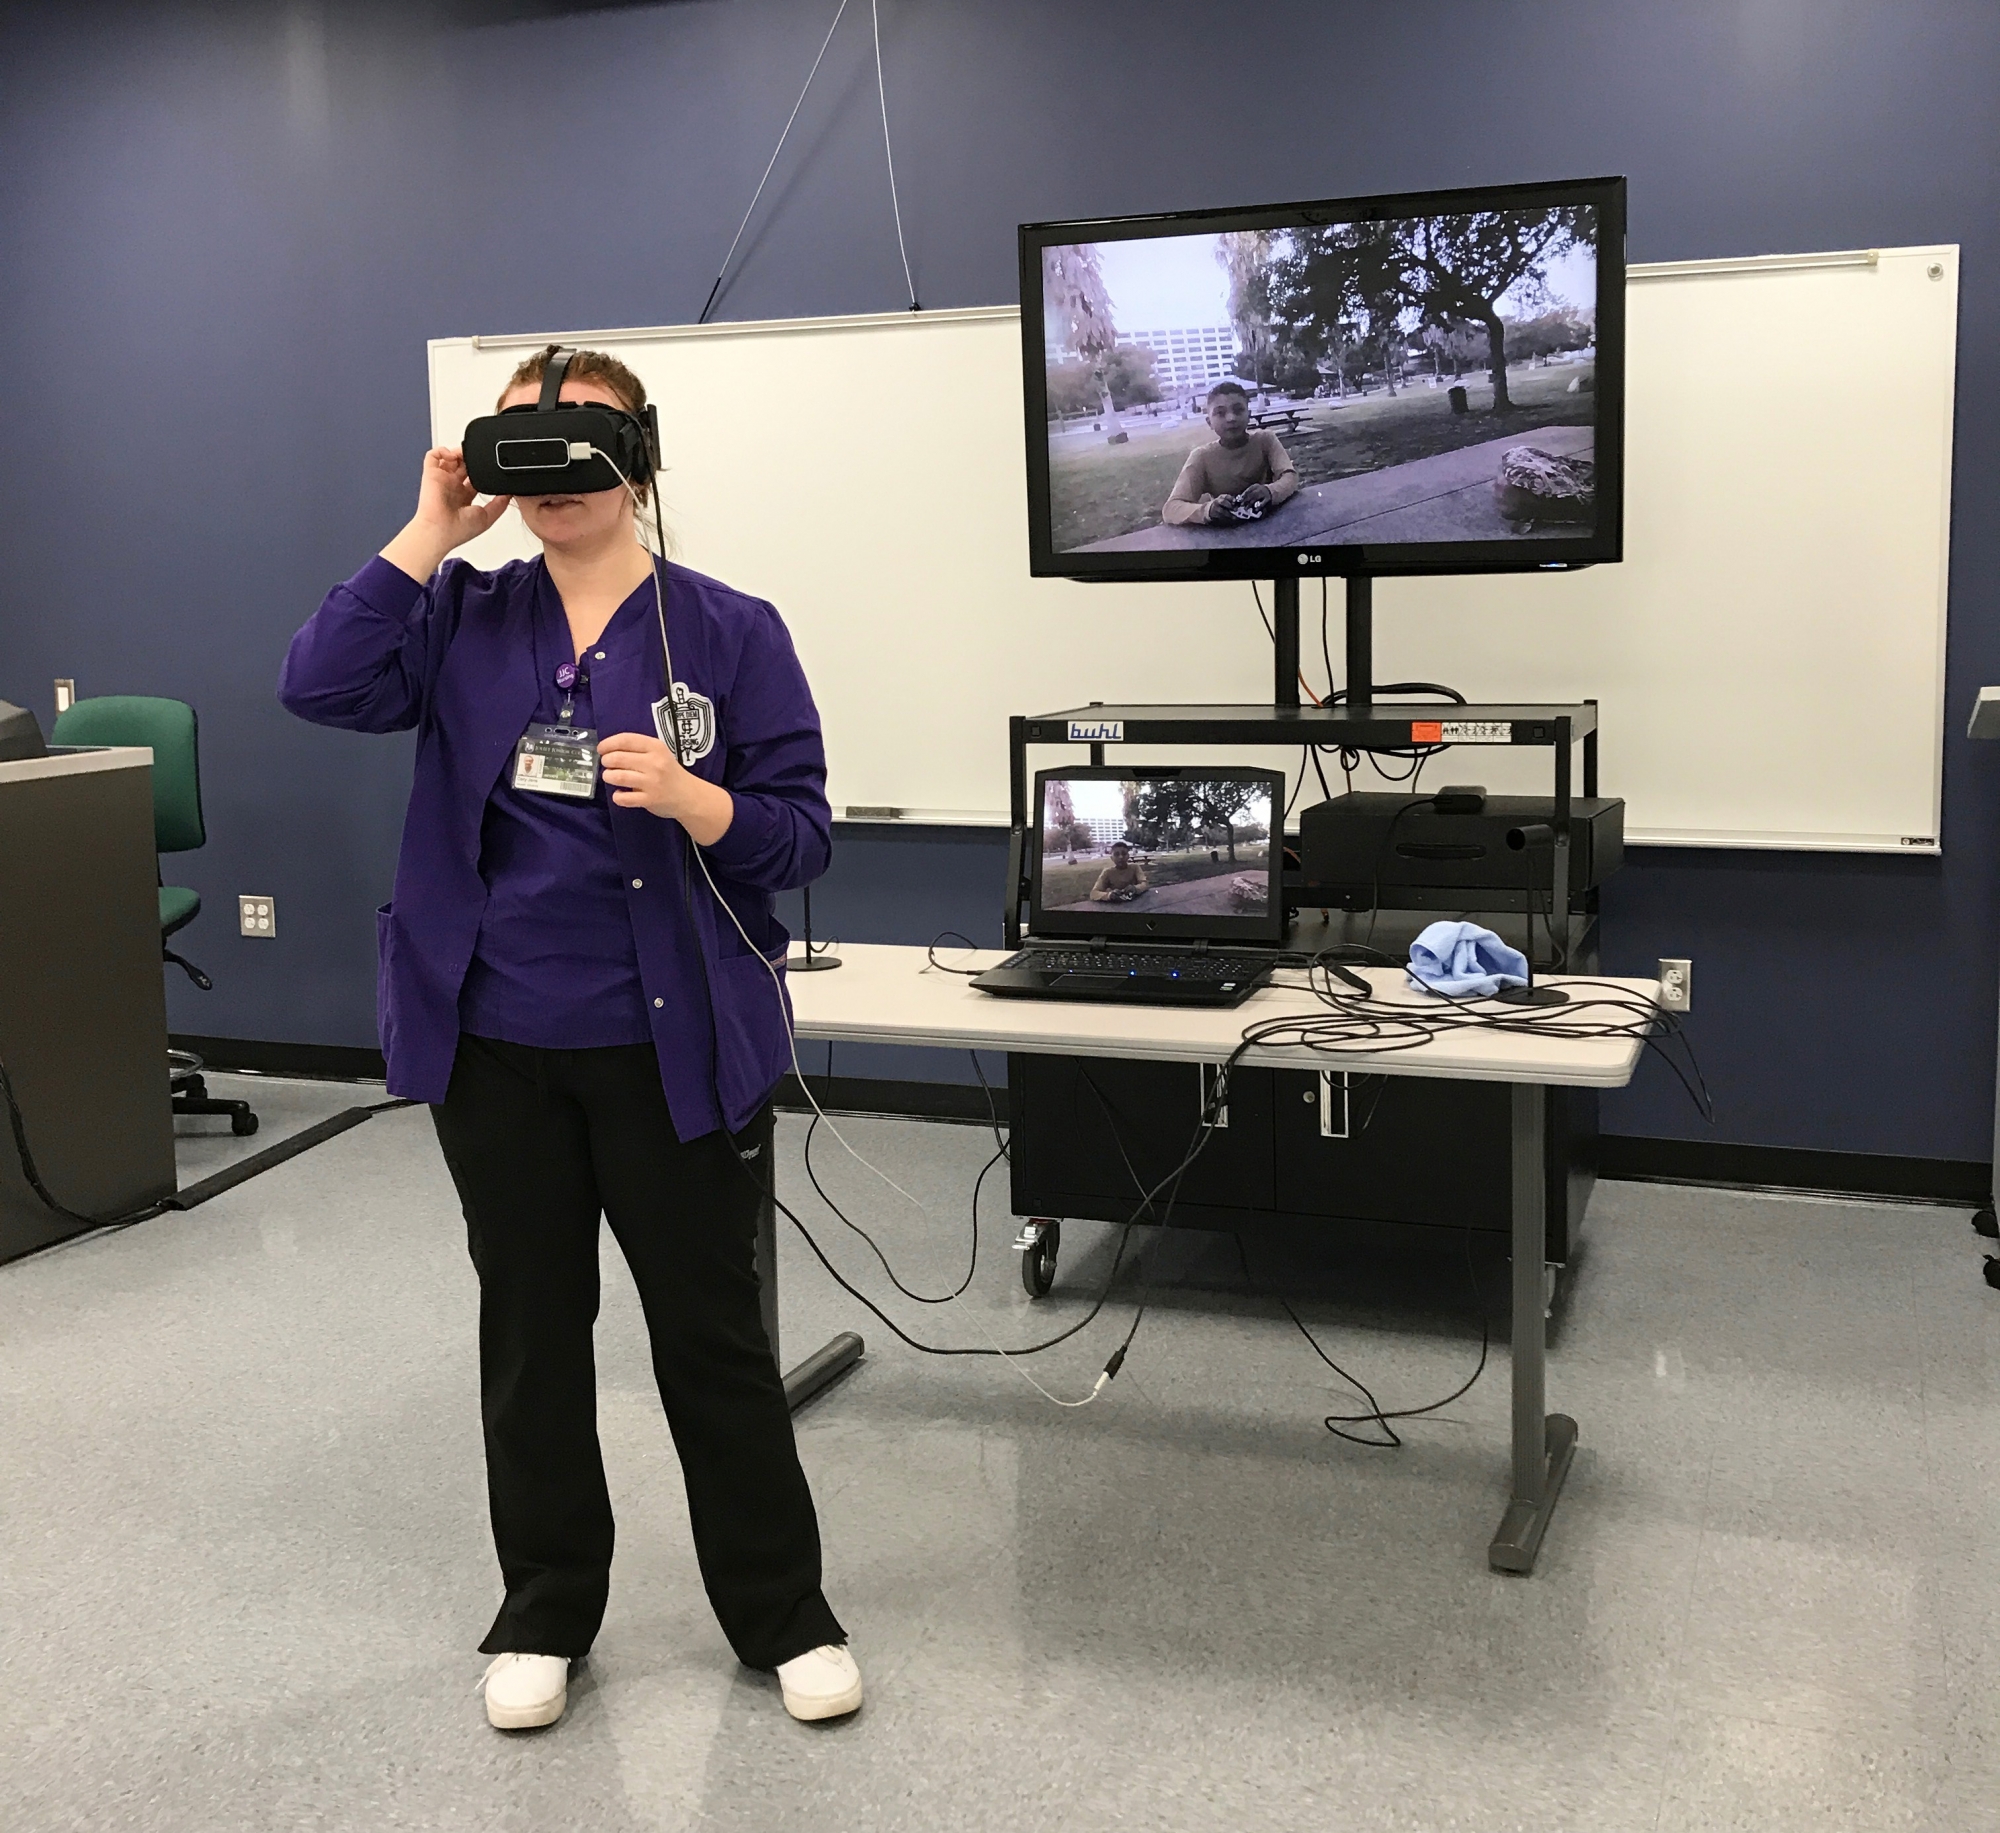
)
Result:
{"points": [[448, 515], [644, 773]]}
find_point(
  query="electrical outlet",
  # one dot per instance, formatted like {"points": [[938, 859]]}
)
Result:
{"points": [[258, 916], [1677, 985]]}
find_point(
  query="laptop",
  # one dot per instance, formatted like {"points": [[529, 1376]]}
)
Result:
{"points": [[1150, 886]]}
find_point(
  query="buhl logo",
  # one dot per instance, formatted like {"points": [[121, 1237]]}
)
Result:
{"points": [[1096, 731]]}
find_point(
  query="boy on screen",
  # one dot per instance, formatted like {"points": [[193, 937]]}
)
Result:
{"points": [[1121, 880], [1238, 477]]}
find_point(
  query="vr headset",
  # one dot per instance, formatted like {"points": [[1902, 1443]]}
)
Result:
{"points": [[554, 447]]}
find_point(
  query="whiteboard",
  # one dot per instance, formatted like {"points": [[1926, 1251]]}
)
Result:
{"points": [[1768, 659]]}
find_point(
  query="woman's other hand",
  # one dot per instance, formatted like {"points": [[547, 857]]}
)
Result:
{"points": [[644, 773], [448, 515]]}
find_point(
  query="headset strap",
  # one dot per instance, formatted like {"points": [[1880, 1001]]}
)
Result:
{"points": [[552, 379]]}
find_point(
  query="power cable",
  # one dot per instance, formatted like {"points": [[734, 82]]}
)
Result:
{"points": [[709, 303], [1348, 1028], [888, 152], [32, 1173], [1305, 686]]}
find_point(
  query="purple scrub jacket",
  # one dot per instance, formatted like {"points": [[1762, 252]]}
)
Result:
{"points": [[455, 659]]}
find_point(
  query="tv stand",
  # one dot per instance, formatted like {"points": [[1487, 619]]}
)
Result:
{"points": [[1360, 687], [1357, 725]]}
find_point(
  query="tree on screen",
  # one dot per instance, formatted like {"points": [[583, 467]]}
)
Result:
{"points": [[1161, 814], [1389, 340], [1129, 376], [1072, 390], [1059, 822], [1061, 827], [1461, 343], [1180, 812], [1126, 375], [1432, 337], [1339, 344], [1222, 802], [1564, 328], [1245, 256], [1079, 311], [1443, 269]]}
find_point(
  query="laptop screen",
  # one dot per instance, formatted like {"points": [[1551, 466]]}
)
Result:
{"points": [[1143, 853]]}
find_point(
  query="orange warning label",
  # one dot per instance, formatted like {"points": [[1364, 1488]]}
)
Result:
{"points": [[1426, 731]]}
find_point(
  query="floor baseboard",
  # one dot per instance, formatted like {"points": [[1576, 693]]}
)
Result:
{"points": [[309, 1062], [1883, 1176]]}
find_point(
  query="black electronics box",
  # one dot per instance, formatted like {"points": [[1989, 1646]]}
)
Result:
{"points": [[1400, 852], [20, 734]]}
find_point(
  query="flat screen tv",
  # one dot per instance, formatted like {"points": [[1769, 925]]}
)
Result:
{"points": [[1424, 383]]}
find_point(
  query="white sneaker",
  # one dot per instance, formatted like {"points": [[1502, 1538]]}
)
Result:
{"points": [[821, 1683], [523, 1691]]}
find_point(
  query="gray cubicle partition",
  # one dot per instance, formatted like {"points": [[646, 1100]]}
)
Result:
{"points": [[83, 1010]]}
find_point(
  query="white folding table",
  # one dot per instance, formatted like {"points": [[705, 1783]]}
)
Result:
{"points": [[890, 995]]}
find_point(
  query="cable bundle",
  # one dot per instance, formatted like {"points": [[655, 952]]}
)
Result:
{"points": [[1361, 1023]]}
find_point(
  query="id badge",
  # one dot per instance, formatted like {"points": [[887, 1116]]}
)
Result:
{"points": [[557, 761]]}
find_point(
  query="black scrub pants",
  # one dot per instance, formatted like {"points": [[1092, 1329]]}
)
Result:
{"points": [[539, 1142]]}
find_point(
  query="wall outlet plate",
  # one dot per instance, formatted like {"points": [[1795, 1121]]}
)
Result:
{"points": [[1676, 985], [258, 916]]}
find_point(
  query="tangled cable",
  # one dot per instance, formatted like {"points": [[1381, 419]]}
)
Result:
{"points": [[1364, 1023]]}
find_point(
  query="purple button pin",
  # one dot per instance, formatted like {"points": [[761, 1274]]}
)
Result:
{"points": [[567, 675]]}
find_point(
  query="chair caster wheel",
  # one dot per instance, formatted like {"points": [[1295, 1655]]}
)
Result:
{"points": [[242, 1125], [1038, 1260]]}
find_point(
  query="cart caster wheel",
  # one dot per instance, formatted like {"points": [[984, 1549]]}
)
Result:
{"points": [[1993, 1271], [1038, 1263], [243, 1125], [1986, 1223]]}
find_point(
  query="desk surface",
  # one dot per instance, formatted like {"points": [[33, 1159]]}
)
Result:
{"points": [[77, 763], [888, 995]]}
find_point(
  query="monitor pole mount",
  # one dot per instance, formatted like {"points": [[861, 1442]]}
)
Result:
{"points": [[812, 960], [1360, 685]]}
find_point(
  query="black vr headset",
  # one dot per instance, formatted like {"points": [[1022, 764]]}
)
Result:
{"points": [[560, 448]]}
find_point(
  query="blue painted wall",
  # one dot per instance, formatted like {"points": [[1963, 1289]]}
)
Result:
{"points": [[226, 232]]}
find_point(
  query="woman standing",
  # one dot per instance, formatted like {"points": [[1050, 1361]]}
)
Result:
{"points": [[593, 1033]]}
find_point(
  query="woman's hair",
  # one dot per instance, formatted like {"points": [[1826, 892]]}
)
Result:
{"points": [[589, 366], [584, 366]]}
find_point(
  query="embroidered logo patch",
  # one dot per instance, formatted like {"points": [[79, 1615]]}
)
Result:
{"points": [[695, 714]]}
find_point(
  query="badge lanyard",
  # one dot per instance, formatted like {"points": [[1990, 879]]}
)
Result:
{"points": [[559, 760]]}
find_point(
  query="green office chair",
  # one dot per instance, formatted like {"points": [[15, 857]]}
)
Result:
{"points": [[168, 727]]}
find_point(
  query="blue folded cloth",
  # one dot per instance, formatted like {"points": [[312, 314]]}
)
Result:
{"points": [[1466, 961]]}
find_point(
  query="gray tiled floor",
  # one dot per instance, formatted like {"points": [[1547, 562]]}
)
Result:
{"points": [[243, 1564], [204, 1144]]}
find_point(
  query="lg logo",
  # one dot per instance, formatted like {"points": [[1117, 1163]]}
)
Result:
{"points": [[1311, 559]]}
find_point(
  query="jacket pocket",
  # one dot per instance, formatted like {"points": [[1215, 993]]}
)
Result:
{"points": [[753, 1030]]}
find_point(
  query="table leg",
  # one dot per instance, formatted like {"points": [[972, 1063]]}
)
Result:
{"points": [[827, 1363], [1543, 1442]]}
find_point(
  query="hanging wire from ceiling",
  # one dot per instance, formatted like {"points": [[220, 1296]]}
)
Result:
{"points": [[888, 152]]}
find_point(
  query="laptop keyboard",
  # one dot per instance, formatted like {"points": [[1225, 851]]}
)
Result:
{"points": [[1153, 964]]}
